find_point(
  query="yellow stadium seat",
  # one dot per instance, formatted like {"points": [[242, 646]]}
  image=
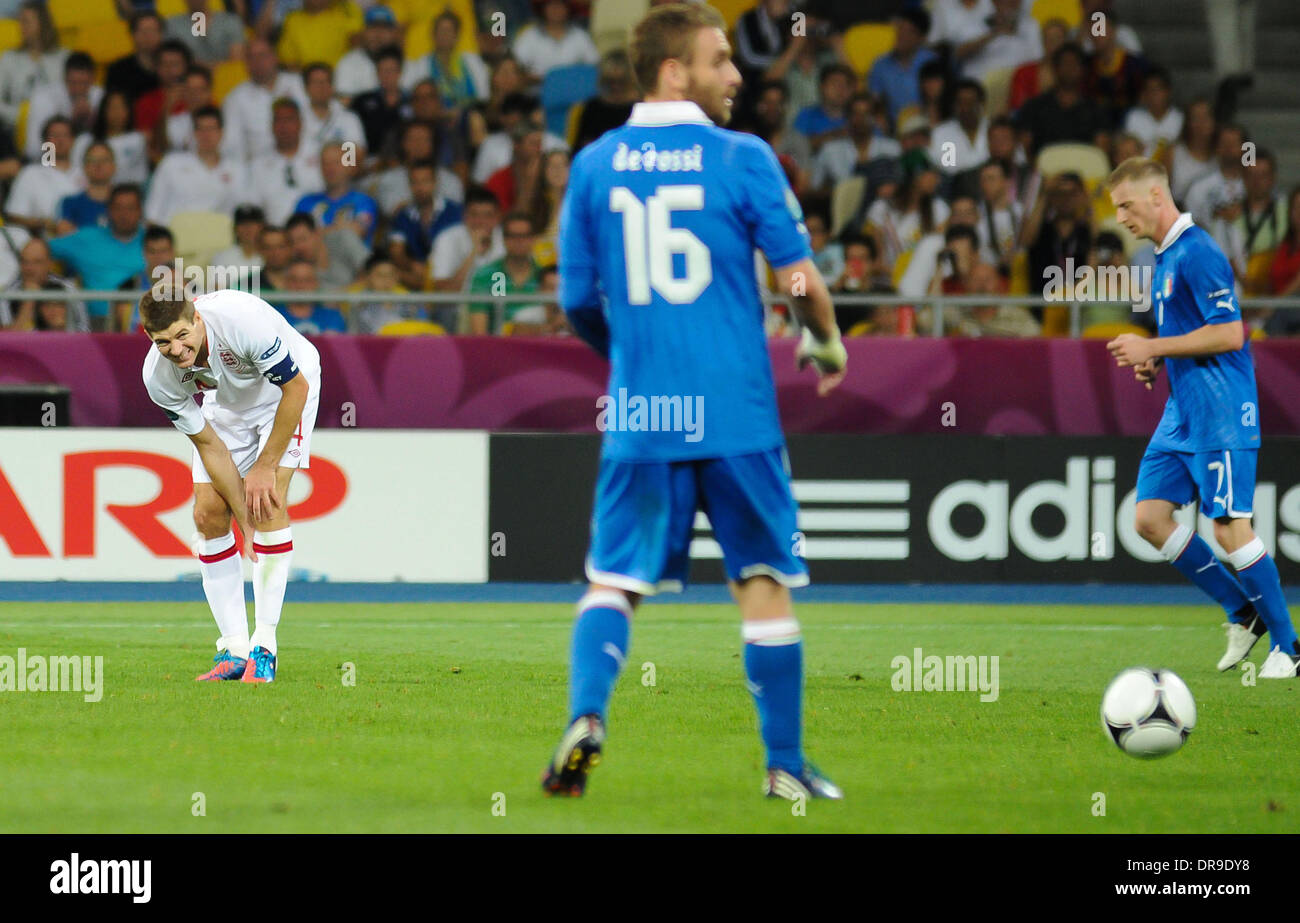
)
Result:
{"points": [[1088, 160], [731, 10], [571, 124], [1110, 331], [865, 42], [1018, 284], [68, 14], [419, 31], [200, 235], [407, 328], [105, 41], [1259, 272], [1056, 321], [845, 199], [997, 88], [10, 35], [226, 76], [861, 329], [1069, 10], [612, 21], [167, 8]]}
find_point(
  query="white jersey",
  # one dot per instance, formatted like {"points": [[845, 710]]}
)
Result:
{"points": [[251, 348]]}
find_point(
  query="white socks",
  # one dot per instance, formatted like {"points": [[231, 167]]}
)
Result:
{"points": [[270, 574], [223, 584]]}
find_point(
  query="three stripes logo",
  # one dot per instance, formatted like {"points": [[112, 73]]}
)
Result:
{"points": [[838, 521]]}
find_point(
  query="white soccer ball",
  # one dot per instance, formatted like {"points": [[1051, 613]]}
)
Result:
{"points": [[1148, 713]]}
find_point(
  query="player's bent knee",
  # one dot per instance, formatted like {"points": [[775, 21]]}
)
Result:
{"points": [[211, 520]]}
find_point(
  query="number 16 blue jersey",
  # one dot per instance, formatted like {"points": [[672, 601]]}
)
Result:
{"points": [[659, 226]]}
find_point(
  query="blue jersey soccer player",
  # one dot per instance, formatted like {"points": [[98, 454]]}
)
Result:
{"points": [[1208, 438], [261, 384], [657, 238]]}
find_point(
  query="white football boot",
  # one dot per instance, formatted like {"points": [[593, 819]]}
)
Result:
{"points": [[1241, 638], [1279, 665]]}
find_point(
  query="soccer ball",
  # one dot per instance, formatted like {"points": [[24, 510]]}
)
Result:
{"points": [[1148, 713]]}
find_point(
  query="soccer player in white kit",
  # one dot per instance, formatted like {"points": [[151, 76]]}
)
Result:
{"points": [[260, 381]]}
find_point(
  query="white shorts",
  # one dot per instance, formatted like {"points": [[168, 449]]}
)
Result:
{"points": [[245, 433]]}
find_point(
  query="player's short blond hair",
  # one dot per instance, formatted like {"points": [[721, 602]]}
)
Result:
{"points": [[1135, 169], [668, 32], [157, 314]]}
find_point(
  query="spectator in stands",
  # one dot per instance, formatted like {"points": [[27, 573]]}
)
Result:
{"points": [[1232, 50], [326, 120], [337, 256], [1107, 252], [991, 320], [766, 41], [160, 268], [1010, 38], [340, 206], [962, 143], [914, 133], [914, 210], [1035, 77], [1000, 218], [1115, 75], [39, 187], [276, 254], [384, 109], [200, 180], [461, 77], [391, 188], [1003, 148], [515, 273], [309, 317], [828, 119], [770, 123], [463, 249], [223, 33], [827, 254], [381, 275], [37, 62], [1193, 157], [105, 256], [896, 76], [1128, 39], [1063, 113], [87, 207], [1218, 194], [320, 31], [1255, 234], [863, 273], [136, 74], [517, 184], [958, 22], [616, 92], [356, 72], [35, 275], [1284, 274], [843, 157], [935, 94], [555, 41], [165, 98], [497, 149], [1059, 227], [179, 127], [1155, 120], [247, 107], [250, 222], [414, 228], [545, 211], [113, 127], [290, 171], [506, 81], [76, 98]]}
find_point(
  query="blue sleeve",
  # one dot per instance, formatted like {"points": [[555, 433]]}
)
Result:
{"points": [[65, 248], [1210, 282], [772, 210], [579, 276]]}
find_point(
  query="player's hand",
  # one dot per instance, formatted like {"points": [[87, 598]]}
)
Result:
{"points": [[828, 359], [1130, 349], [246, 530], [260, 493], [1147, 372]]}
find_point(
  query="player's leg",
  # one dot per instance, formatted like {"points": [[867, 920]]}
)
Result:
{"points": [[1231, 506], [273, 542], [754, 517], [1164, 484], [223, 581]]}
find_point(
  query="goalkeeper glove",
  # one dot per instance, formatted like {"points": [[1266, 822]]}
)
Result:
{"points": [[827, 357]]}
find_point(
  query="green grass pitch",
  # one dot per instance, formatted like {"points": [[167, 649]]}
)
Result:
{"points": [[456, 708]]}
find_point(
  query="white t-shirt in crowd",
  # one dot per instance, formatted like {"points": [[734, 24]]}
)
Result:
{"points": [[184, 183]]}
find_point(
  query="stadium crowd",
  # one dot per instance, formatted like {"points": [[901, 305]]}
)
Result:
{"points": [[954, 147]]}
